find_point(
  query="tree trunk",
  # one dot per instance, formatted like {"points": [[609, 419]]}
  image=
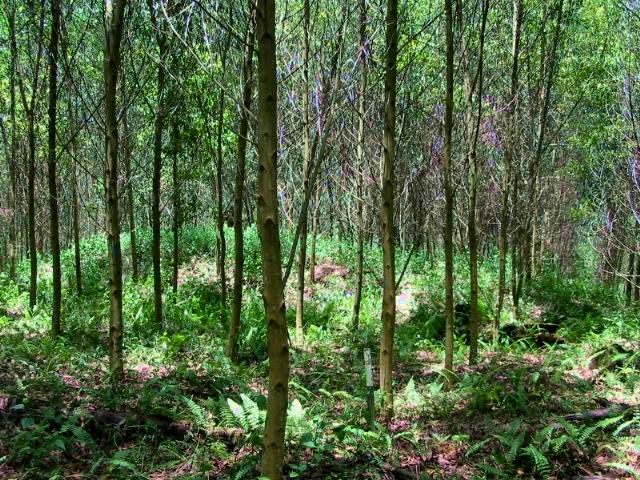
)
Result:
{"points": [[56, 328], [386, 213], [448, 193], [13, 200], [473, 87], [76, 225], [508, 160], [222, 246], [113, 25], [302, 259], [29, 108], [268, 225], [363, 54], [515, 244], [157, 169], [314, 236], [128, 150], [177, 208], [238, 273], [630, 277], [534, 164]]}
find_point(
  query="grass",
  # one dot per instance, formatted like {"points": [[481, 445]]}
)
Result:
{"points": [[184, 411]]}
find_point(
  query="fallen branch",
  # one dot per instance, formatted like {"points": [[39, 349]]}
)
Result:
{"points": [[178, 430], [600, 413]]}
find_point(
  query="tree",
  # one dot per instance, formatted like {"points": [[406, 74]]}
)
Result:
{"points": [[238, 198], [386, 213], [363, 54], [52, 169], [29, 106], [157, 162], [473, 90], [302, 258], [268, 225], [113, 22], [508, 160], [448, 190], [222, 245]]}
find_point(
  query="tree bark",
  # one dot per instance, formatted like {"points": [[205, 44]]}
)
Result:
{"points": [[222, 245], [76, 225], [302, 259], [177, 203], [448, 193], [13, 199], [268, 225], [114, 17], [534, 164], [363, 54], [56, 328], [157, 168], [128, 150], [314, 235], [508, 160], [386, 213], [243, 132], [29, 107], [473, 87]]}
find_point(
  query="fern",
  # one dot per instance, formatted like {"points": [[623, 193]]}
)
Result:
{"points": [[197, 412], [541, 462], [246, 415], [475, 448], [514, 450]]}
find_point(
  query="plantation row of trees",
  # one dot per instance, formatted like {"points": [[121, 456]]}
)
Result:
{"points": [[493, 128]]}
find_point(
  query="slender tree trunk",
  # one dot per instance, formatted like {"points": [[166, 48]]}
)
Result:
{"points": [[156, 248], [515, 244], [13, 199], [30, 110], [238, 273], [508, 160], [314, 236], [636, 294], [534, 164], [222, 246], [448, 192], [56, 328], [386, 213], [302, 259], [177, 207], [128, 150], [273, 292], [76, 223], [114, 16], [363, 54], [31, 205], [473, 87]]}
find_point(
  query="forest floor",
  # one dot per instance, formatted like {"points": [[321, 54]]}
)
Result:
{"points": [[556, 398]]}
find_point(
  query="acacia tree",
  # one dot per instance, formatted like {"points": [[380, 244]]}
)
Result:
{"points": [[363, 54], [238, 199], [448, 190], [29, 105], [386, 213], [113, 23], [268, 227], [302, 258], [13, 190], [508, 160], [52, 167], [473, 89], [157, 161]]}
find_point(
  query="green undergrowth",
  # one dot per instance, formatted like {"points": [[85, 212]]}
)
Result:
{"points": [[183, 411]]}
